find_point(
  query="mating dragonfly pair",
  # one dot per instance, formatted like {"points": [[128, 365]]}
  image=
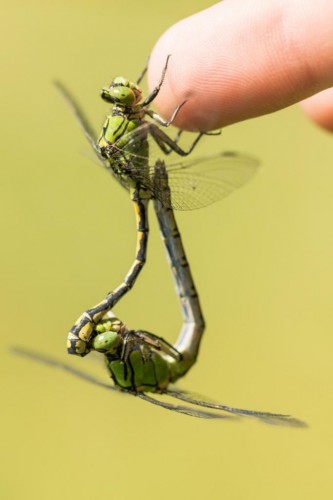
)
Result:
{"points": [[140, 362]]}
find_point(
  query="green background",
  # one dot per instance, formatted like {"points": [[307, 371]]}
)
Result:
{"points": [[262, 260]]}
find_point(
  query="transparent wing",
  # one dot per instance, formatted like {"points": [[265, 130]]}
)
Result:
{"points": [[267, 417], [84, 123], [194, 183], [200, 183], [54, 363], [79, 115], [185, 410], [188, 397]]}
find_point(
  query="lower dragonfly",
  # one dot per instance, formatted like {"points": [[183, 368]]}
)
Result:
{"points": [[125, 147], [140, 362]]}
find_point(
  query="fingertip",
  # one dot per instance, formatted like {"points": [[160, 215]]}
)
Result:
{"points": [[319, 108], [197, 72], [240, 59], [179, 82]]}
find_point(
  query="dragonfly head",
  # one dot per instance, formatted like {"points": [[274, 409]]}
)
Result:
{"points": [[122, 92], [108, 336]]}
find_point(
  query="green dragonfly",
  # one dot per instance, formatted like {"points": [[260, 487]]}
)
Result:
{"points": [[139, 361], [125, 147]]}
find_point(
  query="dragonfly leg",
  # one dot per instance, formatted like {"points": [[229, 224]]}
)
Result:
{"points": [[178, 135], [158, 343], [156, 90], [165, 123], [168, 145], [143, 72], [82, 332]]}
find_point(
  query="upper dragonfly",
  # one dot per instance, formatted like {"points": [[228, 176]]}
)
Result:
{"points": [[124, 149]]}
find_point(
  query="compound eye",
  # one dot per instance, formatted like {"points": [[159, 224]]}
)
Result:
{"points": [[120, 80], [124, 95], [118, 94], [105, 341]]}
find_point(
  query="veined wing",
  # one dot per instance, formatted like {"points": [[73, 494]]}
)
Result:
{"points": [[267, 417], [185, 410], [85, 125], [54, 363], [201, 182], [79, 115], [192, 398], [194, 183]]}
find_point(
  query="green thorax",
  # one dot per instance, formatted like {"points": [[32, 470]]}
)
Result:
{"points": [[120, 144], [142, 371], [121, 122], [133, 363]]}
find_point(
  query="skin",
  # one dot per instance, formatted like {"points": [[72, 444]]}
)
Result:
{"points": [[244, 58]]}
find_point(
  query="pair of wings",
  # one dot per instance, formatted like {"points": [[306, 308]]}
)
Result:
{"points": [[193, 183], [188, 397]]}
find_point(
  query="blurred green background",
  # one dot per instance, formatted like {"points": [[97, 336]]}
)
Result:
{"points": [[262, 260]]}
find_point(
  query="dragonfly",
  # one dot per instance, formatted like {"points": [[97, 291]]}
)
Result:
{"points": [[144, 362], [124, 147], [140, 362]]}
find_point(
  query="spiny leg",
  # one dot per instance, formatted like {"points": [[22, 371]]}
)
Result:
{"points": [[168, 145], [143, 72], [165, 123], [158, 343], [156, 90], [82, 332], [155, 116]]}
